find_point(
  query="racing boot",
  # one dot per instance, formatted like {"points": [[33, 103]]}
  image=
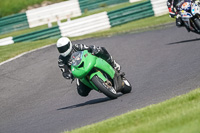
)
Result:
{"points": [[116, 66]]}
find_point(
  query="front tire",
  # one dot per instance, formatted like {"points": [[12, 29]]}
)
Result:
{"points": [[109, 91], [197, 23]]}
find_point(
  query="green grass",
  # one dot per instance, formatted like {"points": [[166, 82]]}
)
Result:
{"points": [[8, 7], [9, 51], [135, 26], [177, 115]]}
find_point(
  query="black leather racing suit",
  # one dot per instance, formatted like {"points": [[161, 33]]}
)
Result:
{"points": [[173, 2], [65, 64]]}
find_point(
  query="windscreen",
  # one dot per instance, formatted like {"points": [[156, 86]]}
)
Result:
{"points": [[76, 58]]}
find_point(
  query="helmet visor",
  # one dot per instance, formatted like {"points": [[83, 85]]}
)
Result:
{"points": [[64, 48]]}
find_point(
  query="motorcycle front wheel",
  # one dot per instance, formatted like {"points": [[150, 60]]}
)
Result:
{"points": [[109, 91], [197, 23]]}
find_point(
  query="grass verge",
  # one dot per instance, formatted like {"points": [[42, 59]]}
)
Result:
{"points": [[10, 51], [135, 26], [177, 115]]}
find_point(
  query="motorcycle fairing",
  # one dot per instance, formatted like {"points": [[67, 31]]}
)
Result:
{"points": [[185, 15], [87, 68], [195, 9]]}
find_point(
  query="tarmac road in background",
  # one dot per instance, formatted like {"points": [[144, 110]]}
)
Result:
{"points": [[35, 98]]}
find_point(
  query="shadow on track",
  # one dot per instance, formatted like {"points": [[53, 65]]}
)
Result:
{"points": [[185, 41], [94, 101]]}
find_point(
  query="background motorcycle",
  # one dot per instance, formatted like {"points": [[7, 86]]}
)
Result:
{"points": [[190, 15]]}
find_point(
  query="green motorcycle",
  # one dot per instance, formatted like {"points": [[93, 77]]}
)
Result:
{"points": [[99, 75]]}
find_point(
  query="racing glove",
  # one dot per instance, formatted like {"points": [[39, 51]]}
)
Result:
{"points": [[68, 75], [65, 70]]}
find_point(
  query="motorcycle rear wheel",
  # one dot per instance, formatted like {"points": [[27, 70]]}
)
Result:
{"points": [[109, 91]]}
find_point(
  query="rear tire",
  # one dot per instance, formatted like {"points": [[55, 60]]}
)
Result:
{"points": [[127, 86], [104, 88]]}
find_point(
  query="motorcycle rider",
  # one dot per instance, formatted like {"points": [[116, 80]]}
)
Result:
{"points": [[66, 49], [176, 5]]}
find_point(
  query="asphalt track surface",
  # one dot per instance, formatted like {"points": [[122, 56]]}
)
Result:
{"points": [[35, 98]]}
